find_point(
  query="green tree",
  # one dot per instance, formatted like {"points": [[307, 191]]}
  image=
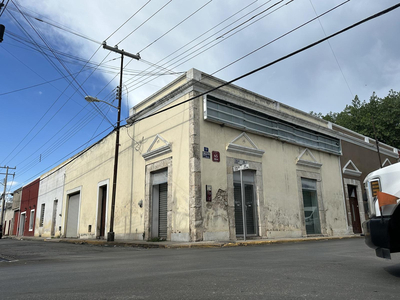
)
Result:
{"points": [[358, 116]]}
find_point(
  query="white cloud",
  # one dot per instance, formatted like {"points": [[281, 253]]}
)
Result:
{"points": [[299, 82]]}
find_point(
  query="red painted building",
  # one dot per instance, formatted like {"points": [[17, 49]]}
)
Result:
{"points": [[28, 208]]}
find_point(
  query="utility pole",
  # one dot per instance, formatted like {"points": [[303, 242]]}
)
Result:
{"points": [[3, 203], [110, 234]]}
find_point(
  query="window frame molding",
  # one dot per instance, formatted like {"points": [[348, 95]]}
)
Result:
{"points": [[31, 220], [321, 209], [42, 213]]}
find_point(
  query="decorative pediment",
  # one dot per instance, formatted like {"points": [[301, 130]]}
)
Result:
{"points": [[306, 158], [158, 147], [386, 163], [243, 144], [351, 169]]}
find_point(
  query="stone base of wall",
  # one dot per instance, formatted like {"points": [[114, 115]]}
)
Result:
{"points": [[180, 237], [216, 236], [284, 234], [129, 236], [339, 232]]}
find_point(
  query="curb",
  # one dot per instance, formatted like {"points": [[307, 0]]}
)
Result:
{"points": [[168, 245]]}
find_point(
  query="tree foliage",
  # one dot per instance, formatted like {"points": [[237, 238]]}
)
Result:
{"points": [[358, 116]]}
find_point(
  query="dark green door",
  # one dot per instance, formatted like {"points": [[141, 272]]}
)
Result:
{"points": [[250, 208]]}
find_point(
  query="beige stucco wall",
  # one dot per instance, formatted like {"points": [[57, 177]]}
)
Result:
{"points": [[95, 167], [83, 175], [173, 128], [182, 137], [279, 197]]}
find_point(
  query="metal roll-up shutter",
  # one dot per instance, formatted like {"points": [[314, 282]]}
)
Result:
{"points": [[162, 215]]}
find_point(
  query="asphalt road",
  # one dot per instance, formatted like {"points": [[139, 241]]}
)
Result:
{"points": [[336, 269]]}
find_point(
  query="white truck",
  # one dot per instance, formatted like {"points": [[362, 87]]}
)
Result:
{"points": [[382, 230]]}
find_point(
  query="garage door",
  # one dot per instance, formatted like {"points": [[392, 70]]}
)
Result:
{"points": [[73, 213]]}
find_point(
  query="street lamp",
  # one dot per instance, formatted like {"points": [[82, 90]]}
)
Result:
{"points": [[94, 99], [110, 234]]}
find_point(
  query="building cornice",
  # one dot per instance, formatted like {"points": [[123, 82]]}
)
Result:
{"points": [[162, 102], [260, 103], [369, 146]]}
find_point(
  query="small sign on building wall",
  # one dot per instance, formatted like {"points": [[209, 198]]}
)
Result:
{"points": [[206, 153], [241, 167], [215, 156]]}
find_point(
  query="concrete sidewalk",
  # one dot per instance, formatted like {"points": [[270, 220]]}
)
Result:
{"points": [[168, 244]]}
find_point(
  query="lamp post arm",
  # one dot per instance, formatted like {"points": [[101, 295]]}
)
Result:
{"points": [[94, 99]]}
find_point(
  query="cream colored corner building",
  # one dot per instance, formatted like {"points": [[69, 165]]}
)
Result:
{"points": [[176, 178]]}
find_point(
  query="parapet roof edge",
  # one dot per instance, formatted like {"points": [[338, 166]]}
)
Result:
{"points": [[267, 98], [166, 87], [31, 183], [199, 75], [362, 136], [17, 190]]}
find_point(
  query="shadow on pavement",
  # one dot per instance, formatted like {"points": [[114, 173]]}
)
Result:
{"points": [[393, 270]]}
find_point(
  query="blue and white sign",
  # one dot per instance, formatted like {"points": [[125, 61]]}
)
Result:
{"points": [[206, 154]]}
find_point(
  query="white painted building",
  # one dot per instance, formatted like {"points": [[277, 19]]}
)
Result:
{"points": [[49, 205]]}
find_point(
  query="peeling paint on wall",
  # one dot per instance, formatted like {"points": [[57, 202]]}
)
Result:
{"points": [[280, 220], [216, 214]]}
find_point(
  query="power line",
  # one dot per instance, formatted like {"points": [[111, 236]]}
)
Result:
{"points": [[213, 27], [144, 22], [33, 86], [215, 41], [253, 71], [46, 125], [48, 46], [102, 67], [253, 17], [93, 159], [281, 36], [127, 20], [185, 19], [51, 119], [334, 55], [84, 121], [52, 105], [66, 29], [71, 160], [381, 13], [201, 42], [41, 118], [5, 6], [38, 47]]}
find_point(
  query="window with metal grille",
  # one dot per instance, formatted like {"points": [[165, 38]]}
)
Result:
{"points": [[41, 215]]}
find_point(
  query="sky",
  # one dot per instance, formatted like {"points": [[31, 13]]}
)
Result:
{"points": [[51, 58]]}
